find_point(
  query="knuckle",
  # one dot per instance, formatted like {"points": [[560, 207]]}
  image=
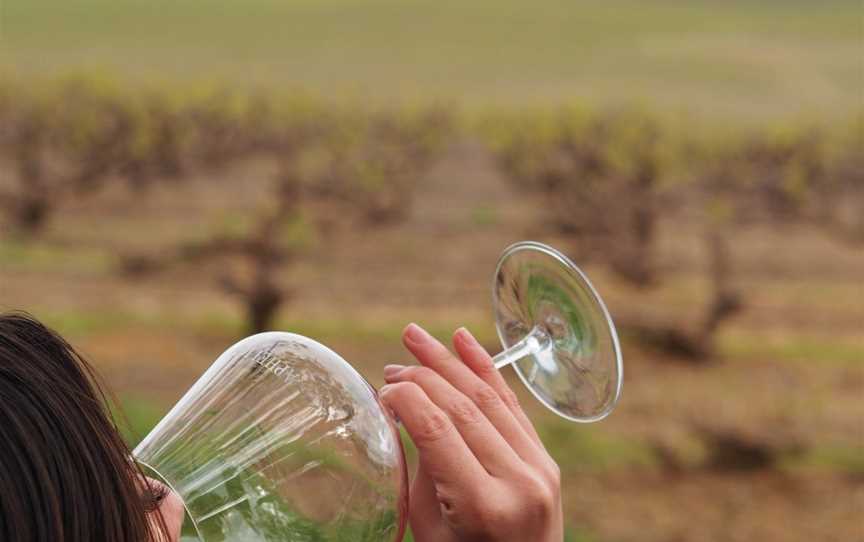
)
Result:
{"points": [[409, 389], [418, 373], [464, 412], [437, 355], [487, 397], [491, 517], [553, 474], [540, 497], [485, 368], [442, 357], [398, 391], [510, 399], [434, 425]]}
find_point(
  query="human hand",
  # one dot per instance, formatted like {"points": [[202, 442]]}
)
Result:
{"points": [[483, 473]]}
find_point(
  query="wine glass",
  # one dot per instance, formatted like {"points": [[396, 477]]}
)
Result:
{"points": [[556, 332], [281, 439]]}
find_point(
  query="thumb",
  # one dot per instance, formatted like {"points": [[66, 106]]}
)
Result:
{"points": [[426, 518]]}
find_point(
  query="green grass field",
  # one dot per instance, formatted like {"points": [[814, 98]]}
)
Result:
{"points": [[711, 58]]}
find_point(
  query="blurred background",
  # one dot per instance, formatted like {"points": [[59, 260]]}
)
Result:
{"points": [[177, 174]]}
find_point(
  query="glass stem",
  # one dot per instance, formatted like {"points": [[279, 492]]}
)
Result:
{"points": [[534, 344]]}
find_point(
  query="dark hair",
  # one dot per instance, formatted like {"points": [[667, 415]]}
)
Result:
{"points": [[66, 475]]}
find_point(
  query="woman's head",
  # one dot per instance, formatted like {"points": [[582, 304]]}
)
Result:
{"points": [[65, 472]]}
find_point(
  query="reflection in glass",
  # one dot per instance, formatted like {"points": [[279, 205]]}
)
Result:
{"points": [[281, 439], [556, 332]]}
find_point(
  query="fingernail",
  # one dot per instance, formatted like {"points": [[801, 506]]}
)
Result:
{"points": [[383, 390], [466, 337], [416, 334], [392, 370]]}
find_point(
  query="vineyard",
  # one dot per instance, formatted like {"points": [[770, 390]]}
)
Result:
{"points": [[155, 226], [605, 177]]}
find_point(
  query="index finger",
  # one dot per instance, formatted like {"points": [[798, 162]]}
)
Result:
{"points": [[500, 409]]}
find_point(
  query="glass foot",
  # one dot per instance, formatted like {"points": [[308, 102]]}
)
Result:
{"points": [[556, 332]]}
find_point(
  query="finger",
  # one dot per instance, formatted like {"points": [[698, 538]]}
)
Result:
{"points": [[447, 458], [488, 445], [480, 362], [434, 355], [428, 350], [425, 514]]}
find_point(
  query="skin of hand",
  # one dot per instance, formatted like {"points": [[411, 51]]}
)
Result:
{"points": [[483, 474]]}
